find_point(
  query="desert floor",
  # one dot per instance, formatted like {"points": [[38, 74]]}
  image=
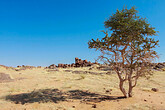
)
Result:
{"points": [[43, 89]]}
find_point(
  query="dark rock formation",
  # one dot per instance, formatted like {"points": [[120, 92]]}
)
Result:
{"points": [[78, 63], [154, 89], [53, 66], [82, 63], [23, 67]]}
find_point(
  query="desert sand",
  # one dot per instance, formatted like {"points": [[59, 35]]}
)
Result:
{"points": [[77, 89]]}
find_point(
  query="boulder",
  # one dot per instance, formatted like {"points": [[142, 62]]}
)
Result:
{"points": [[53, 66], [60, 65], [154, 89]]}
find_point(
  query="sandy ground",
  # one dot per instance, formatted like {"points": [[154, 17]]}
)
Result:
{"points": [[40, 89]]}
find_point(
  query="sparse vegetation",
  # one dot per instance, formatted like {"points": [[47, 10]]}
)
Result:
{"points": [[38, 90], [82, 76]]}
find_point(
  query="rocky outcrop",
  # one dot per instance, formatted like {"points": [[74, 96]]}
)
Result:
{"points": [[82, 63], [23, 67], [78, 63], [159, 66], [26, 67], [5, 78], [53, 66]]}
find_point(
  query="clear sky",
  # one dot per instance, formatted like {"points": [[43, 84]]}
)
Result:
{"points": [[44, 32]]}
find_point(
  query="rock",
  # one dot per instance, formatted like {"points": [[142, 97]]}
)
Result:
{"points": [[68, 70], [5, 77], [145, 100], [85, 61], [69, 65], [159, 66], [81, 63], [154, 89], [52, 66], [105, 68], [53, 70], [60, 65], [110, 72], [78, 63], [93, 72], [107, 91], [19, 69], [72, 65], [90, 72], [79, 72], [65, 66], [23, 67], [94, 106]]}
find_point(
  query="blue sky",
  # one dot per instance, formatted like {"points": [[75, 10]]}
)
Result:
{"points": [[44, 32]]}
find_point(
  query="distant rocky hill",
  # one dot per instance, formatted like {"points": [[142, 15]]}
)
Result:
{"points": [[82, 63], [78, 63]]}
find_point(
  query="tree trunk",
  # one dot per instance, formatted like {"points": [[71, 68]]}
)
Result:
{"points": [[130, 80], [130, 88], [122, 89]]}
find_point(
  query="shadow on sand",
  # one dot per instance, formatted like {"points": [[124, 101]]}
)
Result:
{"points": [[55, 95]]}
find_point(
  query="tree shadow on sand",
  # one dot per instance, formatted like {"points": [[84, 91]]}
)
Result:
{"points": [[55, 95]]}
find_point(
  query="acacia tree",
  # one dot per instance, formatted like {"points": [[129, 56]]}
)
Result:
{"points": [[128, 46]]}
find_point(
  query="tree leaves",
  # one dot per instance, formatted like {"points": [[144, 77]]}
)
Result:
{"points": [[129, 47]]}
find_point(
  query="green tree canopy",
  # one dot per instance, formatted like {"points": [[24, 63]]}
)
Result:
{"points": [[128, 45]]}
